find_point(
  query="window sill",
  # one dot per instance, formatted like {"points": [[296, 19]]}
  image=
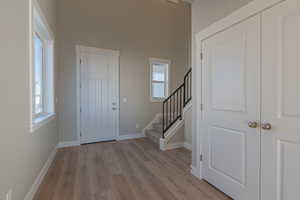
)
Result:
{"points": [[41, 121]]}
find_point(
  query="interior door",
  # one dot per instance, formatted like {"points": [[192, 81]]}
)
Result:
{"points": [[99, 96], [231, 110], [281, 102]]}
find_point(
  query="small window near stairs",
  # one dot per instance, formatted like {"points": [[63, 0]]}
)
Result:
{"points": [[159, 77]]}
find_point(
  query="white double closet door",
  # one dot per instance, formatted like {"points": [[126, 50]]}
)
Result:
{"points": [[251, 114]]}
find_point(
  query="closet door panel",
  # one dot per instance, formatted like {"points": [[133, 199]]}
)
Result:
{"points": [[281, 102], [231, 99]]}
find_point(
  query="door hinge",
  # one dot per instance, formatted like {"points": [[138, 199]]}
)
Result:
{"points": [[201, 107], [201, 157], [80, 110], [80, 134], [80, 61], [201, 56]]}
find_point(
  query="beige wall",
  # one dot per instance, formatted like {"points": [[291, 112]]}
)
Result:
{"points": [[139, 29], [49, 9], [22, 154], [204, 13]]}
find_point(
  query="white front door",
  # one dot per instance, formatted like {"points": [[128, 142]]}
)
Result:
{"points": [[281, 102], [231, 100], [99, 95]]}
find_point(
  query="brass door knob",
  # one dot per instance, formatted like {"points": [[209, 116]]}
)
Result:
{"points": [[266, 126], [253, 124]]}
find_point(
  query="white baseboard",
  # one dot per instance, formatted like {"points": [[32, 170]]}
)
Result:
{"points": [[188, 146], [195, 172], [40, 177], [68, 144], [171, 146], [131, 136]]}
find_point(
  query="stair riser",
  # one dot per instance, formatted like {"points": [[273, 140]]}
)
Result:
{"points": [[153, 139], [157, 129], [153, 135]]}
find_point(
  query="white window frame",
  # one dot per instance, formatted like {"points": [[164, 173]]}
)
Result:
{"points": [[40, 26], [42, 113], [152, 62]]}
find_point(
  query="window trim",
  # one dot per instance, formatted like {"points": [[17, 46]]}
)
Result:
{"points": [[39, 25], [153, 61]]}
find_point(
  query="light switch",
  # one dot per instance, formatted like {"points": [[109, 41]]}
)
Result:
{"points": [[125, 100]]}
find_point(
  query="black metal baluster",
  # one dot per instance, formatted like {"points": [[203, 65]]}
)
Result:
{"points": [[167, 108], [184, 90], [181, 103], [191, 83], [176, 105], [173, 104], [170, 111], [188, 88], [163, 120]]}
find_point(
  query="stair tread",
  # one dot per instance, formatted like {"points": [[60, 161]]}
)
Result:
{"points": [[157, 127], [154, 135]]}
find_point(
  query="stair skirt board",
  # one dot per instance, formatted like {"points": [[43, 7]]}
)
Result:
{"points": [[173, 130]]}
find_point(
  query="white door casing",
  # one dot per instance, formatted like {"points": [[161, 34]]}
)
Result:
{"points": [[280, 150], [231, 98], [99, 94]]}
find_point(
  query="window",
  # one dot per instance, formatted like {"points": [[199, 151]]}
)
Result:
{"points": [[159, 86], [42, 71], [38, 75]]}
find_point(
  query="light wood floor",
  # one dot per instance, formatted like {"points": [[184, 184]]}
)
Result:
{"points": [[127, 170]]}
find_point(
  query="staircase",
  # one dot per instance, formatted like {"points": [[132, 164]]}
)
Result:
{"points": [[155, 133], [165, 125]]}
